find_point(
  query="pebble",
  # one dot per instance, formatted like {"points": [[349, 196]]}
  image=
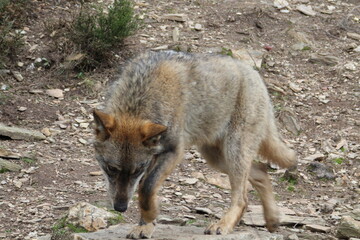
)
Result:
{"points": [[56, 93], [96, 173], [198, 27], [354, 36], [18, 76], [46, 132], [22, 109], [307, 10]]}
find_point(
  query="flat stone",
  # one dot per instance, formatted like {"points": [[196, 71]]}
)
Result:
{"points": [[318, 228], [255, 217], [251, 57], [9, 165], [354, 36], [324, 59], [7, 154], [307, 10], [176, 17], [18, 76], [56, 93], [348, 228], [17, 133], [171, 232], [219, 180]]}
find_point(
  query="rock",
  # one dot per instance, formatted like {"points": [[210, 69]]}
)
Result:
{"points": [[22, 109], [4, 164], [198, 27], [324, 59], [292, 237], [348, 228], [280, 4], [171, 232], [176, 34], [357, 49], [175, 17], [46, 237], [307, 10], [300, 46], [288, 118], [89, 217], [350, 66], [36, 91], [321, 170], [17, 183], [97, 173], [354, 36], [7, 154], [17, 76], [201, 210], [300, 37], [56, 93], [219, 180], [159, 48], [198, 175], [315, 157], [46, 132], [20, 133], [83, 141], [251, 57], [255, 217], [294, 87], [191, 181], [318, 228]]}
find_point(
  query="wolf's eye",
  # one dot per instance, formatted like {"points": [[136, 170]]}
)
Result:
{"points": [[112, 169]]}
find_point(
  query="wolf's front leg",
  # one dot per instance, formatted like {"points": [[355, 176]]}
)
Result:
{"points": [[148, 189]]}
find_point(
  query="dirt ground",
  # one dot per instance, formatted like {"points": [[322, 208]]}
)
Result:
{"points": [[311, 65]]}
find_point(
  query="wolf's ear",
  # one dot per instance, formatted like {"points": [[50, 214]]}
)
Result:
{"points": [[104, 124], [151, 133]]}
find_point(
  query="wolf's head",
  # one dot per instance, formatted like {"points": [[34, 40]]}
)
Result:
{"points": [[125, 147]]}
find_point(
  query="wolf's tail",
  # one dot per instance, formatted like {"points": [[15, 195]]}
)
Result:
{"points": [[275, 150]]}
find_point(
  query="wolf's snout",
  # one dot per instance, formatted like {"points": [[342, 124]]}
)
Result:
{"points": [[120, 206]]}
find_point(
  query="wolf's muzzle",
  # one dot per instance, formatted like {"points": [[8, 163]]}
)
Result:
{"points": [[120, 206]]}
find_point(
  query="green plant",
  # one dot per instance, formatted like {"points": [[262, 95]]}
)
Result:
{"points": [[62, 227], [4, 170], [28, 160], [338, 160], [96, 33], [291, 188], [226, 51], [191, 221], [116, 220]]}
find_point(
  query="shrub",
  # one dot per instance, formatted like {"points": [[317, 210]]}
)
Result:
{"points": [[95, 32], [12, 15]]}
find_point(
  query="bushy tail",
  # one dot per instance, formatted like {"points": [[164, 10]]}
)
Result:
{"points": [[275, 150]]}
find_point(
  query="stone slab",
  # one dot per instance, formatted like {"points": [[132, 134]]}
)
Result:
{"points": [[17, 133], [172, 232]]}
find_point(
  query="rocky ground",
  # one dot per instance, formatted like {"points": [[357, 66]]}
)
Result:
{"points": [[308, 53]]}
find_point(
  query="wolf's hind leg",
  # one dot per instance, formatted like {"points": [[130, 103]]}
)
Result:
{"points": [[259, 179]]}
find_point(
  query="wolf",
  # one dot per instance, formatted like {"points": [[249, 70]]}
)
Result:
{"points": [[164, 102]]}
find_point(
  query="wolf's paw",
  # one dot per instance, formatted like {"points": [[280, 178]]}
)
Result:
{"points": [[141, 231], [218, 229], [272, 224]]}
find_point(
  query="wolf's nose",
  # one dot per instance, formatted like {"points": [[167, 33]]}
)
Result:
{"points": [[120, 207]]}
